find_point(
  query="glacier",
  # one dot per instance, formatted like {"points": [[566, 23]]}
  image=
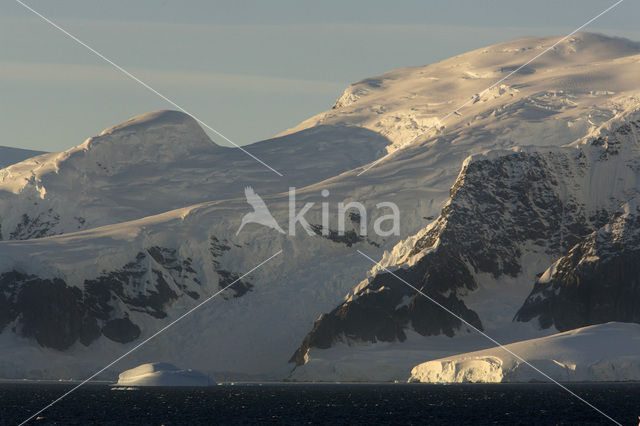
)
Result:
{"points": [[605, 352]]}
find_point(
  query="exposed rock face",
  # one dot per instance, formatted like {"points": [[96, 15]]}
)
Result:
{"points": [[58, 315], [36, 227], [121, 330], [385, 307], [596, 282], [503, 205], [226, 278], [51, 312]]}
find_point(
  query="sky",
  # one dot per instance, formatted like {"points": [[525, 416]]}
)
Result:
{"points": [[250, 69]]}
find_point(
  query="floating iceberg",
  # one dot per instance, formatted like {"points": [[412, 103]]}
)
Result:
{"points": [[162, 374]]}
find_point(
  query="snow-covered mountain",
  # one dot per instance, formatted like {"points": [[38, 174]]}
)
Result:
{"points": [[171, 203], [162, 161], [581, 74], [511, 213], [9, 155]]}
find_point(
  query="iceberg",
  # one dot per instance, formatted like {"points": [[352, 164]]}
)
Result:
{"points": [[162, 374]]}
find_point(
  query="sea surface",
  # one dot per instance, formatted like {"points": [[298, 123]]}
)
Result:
{"points": [[356, 404]]}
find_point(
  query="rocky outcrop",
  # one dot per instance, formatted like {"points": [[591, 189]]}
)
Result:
{"points": [[476, 232], [50, 311], [58, 315], [504, 204], [121, 330], [597, 281], [226, 278], [35, 227], [385, 307]]}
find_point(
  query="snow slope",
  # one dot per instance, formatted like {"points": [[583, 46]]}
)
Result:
{"points": [[9, 155], [564, 96], [120, 282], [162, 374], [161, 161], [606, 352], [403, 104]]}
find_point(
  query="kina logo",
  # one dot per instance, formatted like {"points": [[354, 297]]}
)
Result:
{"points": [[260, 213]]}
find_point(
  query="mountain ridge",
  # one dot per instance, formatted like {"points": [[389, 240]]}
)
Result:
{"points": [[11, 155], [147, 231], [504, 206]]}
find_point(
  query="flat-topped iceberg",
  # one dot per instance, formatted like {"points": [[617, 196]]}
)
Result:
{"points": [[605, 352], [162, 374]]}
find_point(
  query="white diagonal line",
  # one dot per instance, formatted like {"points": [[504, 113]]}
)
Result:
{"points": [[133, 77], [145, 341], [477, 96], [492, 339]]}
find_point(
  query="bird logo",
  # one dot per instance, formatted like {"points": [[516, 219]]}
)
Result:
{"points": [[260, 213]]}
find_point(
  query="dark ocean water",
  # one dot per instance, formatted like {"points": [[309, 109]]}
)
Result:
{"points": [[365, 404]]}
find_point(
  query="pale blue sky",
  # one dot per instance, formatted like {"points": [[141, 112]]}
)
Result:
{"points": [[248, 68]]}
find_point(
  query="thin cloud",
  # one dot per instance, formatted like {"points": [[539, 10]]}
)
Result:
{"points": [[74, 74]]}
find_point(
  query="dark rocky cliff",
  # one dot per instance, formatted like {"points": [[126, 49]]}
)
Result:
{"points": [[597, 281], [503, 205], [58, 315]]}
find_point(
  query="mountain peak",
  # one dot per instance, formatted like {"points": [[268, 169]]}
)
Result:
{"points": [[589, 46], [154, 119], [155, 136], [584, 70], [158, 137]]}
